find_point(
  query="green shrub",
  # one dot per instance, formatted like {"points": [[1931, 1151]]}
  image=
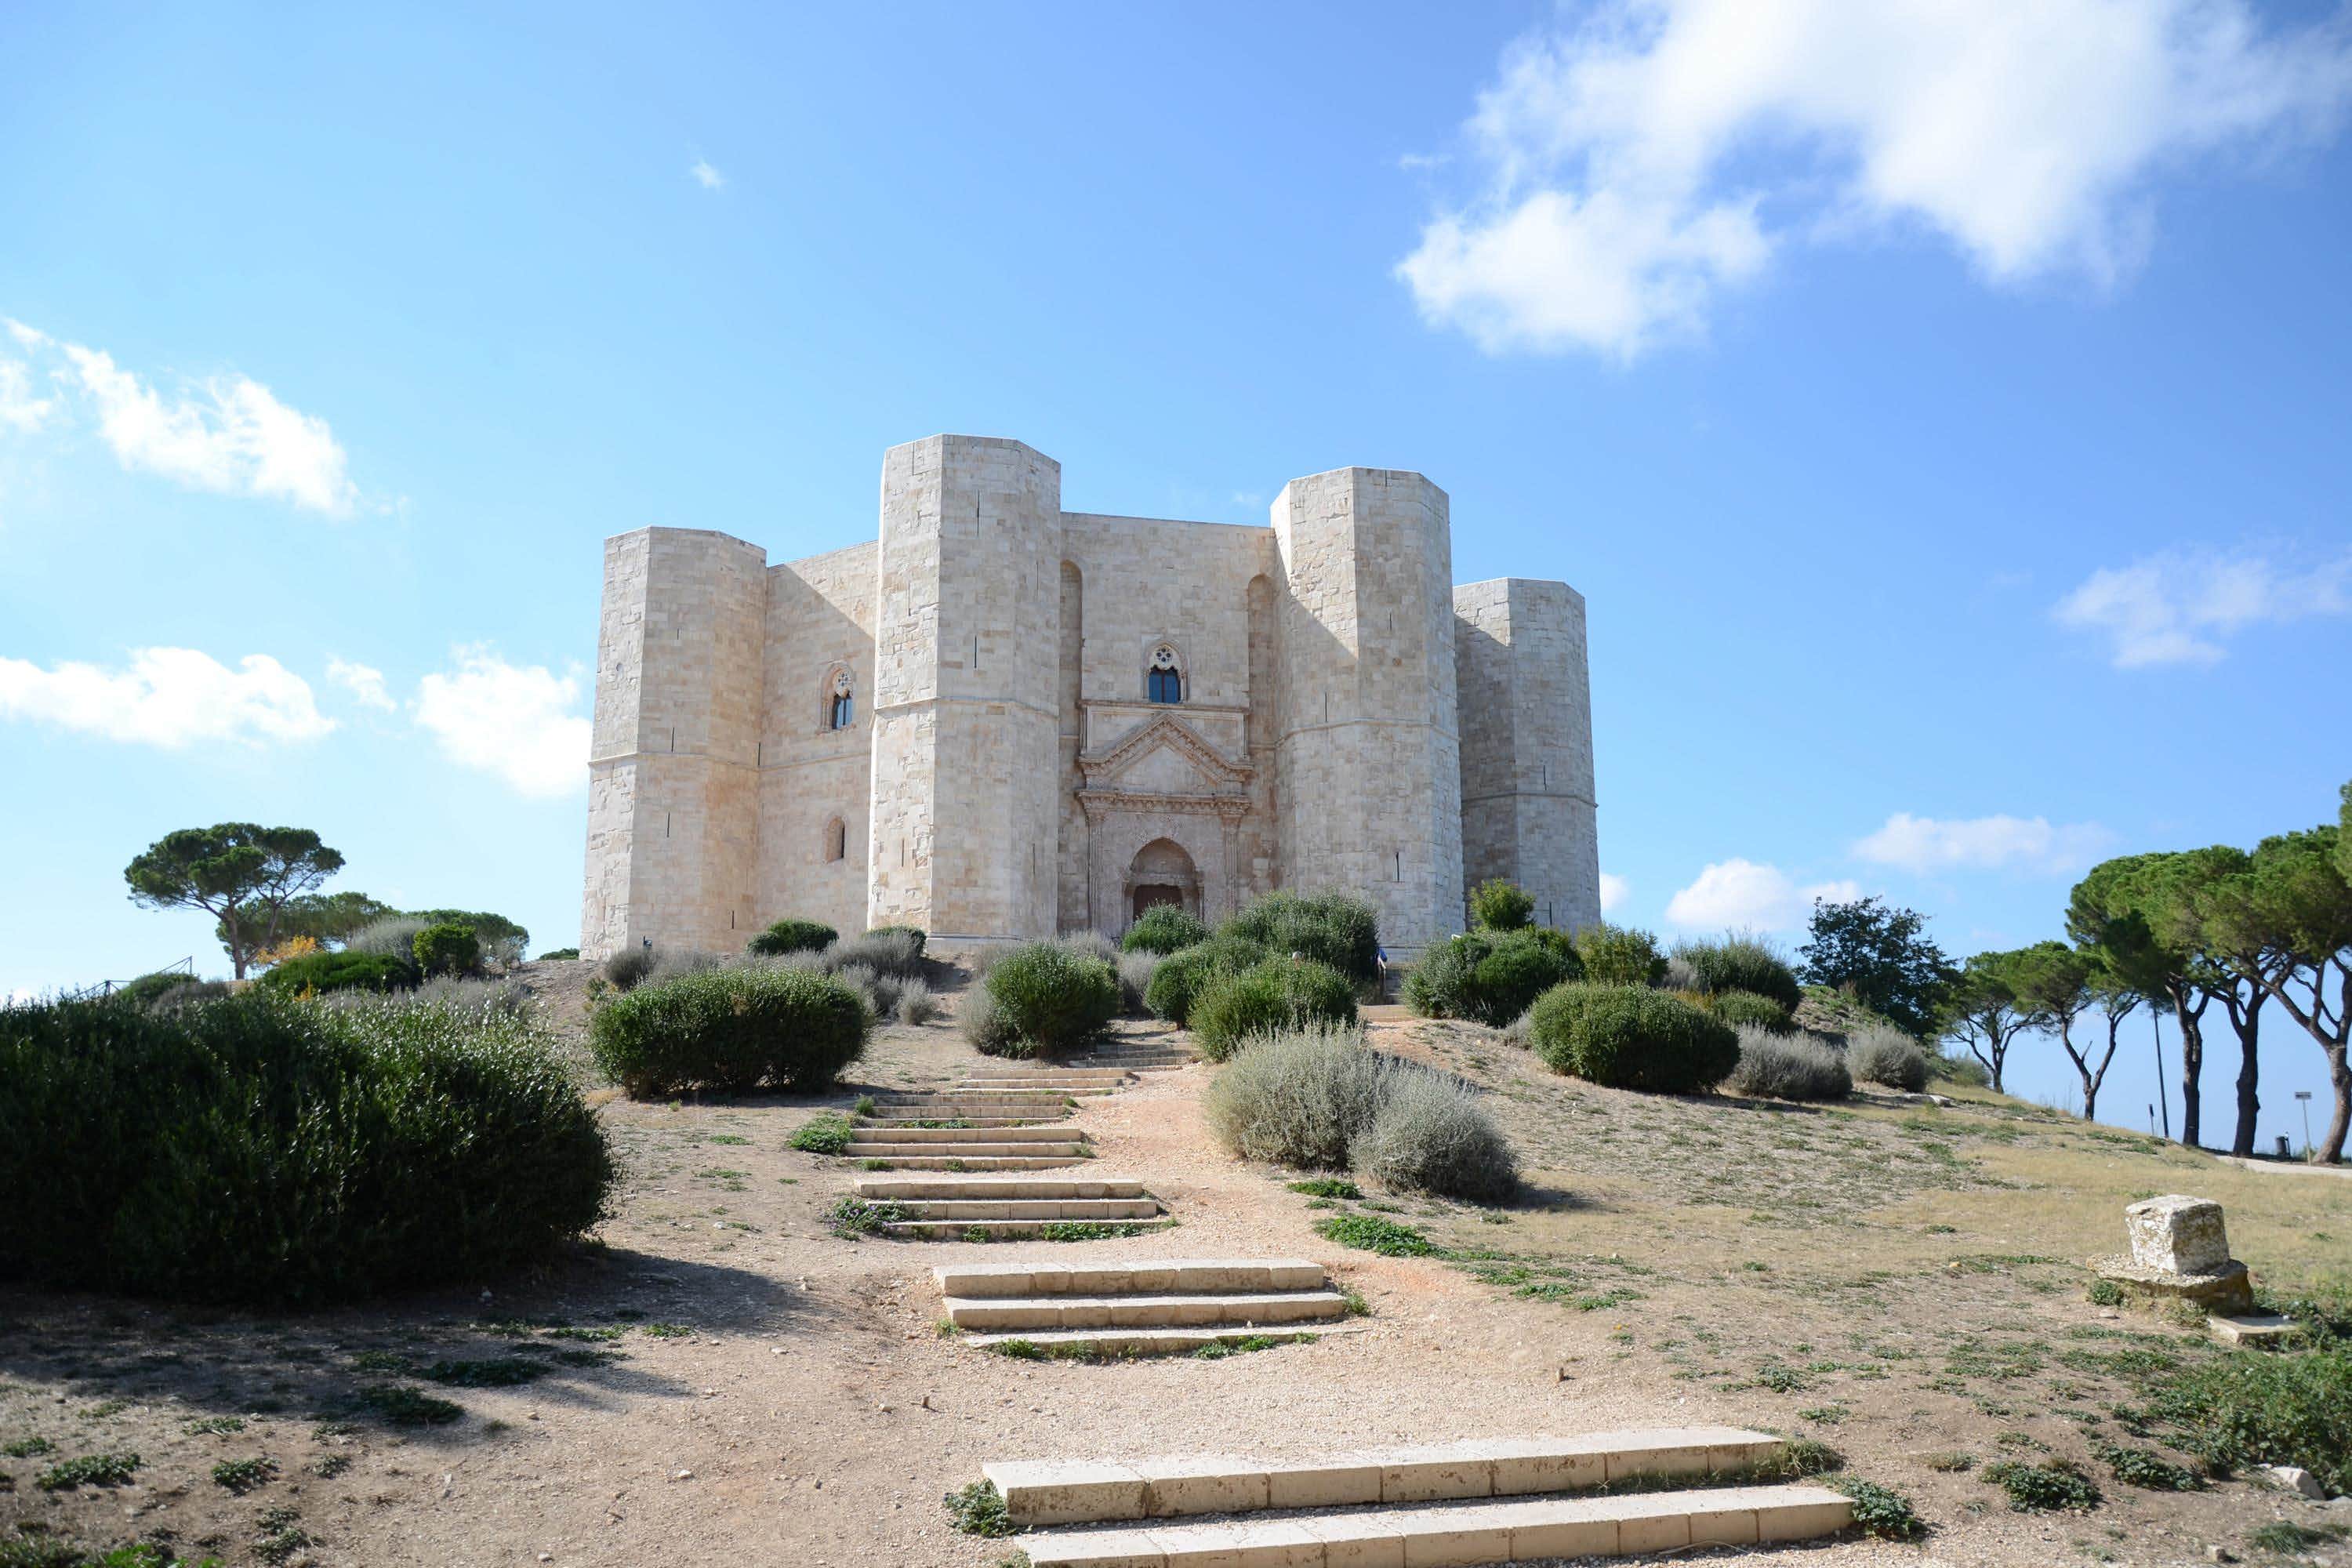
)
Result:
{"points": [[1135, 972], [1489, 977], [1163, 929], [2141, 1467], [1619, 956], [1743, 964], [625, 968], [1964, 1070], [979, 1510], [1882, 1054], [344, 971], [394, 936], [896, 952], [559, 955], [1316, 1097], [1337, 929], [502, 940], [89, 1470], [2045, 1487], [1498, 905], [254, 1149], [1881, 1510], [2254, 1407], [1279, 994], [733, 1030], [789, 935], [447, 949], [1630, 1038], [1182, 974], [1738, 1007], [914, 934], [1370, 1232], [827, 1133], [1052, 998], [989, 1030], [1788, 1067], [148, 988]]}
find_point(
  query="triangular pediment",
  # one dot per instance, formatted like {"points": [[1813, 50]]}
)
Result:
{"points": [[1163, 755]]}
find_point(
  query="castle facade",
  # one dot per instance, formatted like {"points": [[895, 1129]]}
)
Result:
{"points": [[999, 720]]}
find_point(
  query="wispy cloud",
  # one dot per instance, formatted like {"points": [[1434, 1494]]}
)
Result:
{"points": [[1926, 844], [1642, 161], [2180, 606], [19, 409], [227, 434], [169, 696], [519, 722], [1614, 890], [708, 178], [1737, 895], [364, 682]]}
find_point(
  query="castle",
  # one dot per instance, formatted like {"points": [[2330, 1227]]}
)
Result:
{"points": [[1000, 720]]}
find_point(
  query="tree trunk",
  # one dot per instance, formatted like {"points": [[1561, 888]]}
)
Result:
{"points": [[2249, 1028], [236, 942], [2192, 1058], [2340, 1074]]}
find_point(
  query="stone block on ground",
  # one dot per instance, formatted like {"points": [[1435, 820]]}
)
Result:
{"points": [[2178, 1235]]}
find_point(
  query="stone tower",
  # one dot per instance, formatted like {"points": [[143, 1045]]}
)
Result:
{"points": [[1368, 773], [1528, 813], [673, 832], [967, 723]]}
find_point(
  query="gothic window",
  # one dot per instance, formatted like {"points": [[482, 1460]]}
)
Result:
{"points": [[841, 704], [836, 839], [1163, 681]]}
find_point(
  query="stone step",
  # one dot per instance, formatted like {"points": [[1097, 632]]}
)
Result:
{"points": [[904, 1187], [1117, 1342], [1003, 1229], [913, 1123], [1524, 1531], [891, 1148], [1092, 1493], [1153, 1276], [1001, 1089], [1184, 1310], [1071, 1074], [1030, 1208], [933, 1161], [955, 1108], [1044, 1132]]}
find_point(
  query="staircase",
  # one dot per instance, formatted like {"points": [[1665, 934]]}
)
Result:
{"points": [[998, 1110], [1140, 1307], [1435, 1505], [1002, 1147], [1156, 1054], [1005, 1208]]}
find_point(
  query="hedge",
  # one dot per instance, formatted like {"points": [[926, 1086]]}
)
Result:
{"points": [[1182, 974], [1489, 977], [342, 971], [1277, 995], [1337, 929], [1163, 929], [1631, 1037], [790, 935], [731, 1030]]}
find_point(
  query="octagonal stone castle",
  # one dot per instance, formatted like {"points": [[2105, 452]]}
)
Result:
{"points": [[1001, 721]]}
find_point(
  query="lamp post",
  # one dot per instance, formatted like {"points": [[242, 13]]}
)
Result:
{"points": [[2156, 1038], [2304, 1095]]}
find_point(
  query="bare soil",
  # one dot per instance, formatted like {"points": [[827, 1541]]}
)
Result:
{"points": [[723, 1380]]}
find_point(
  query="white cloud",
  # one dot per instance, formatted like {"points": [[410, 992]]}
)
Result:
{"points": [[169, 696], [1741, 895], [708, 178], [229, 434], [514, 721], [19, 409], [364, 682], [2179, 605], [1640, 161], [1614, 889], [1924, 844]]}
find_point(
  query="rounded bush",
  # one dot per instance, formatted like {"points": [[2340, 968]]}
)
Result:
{"points": [[1498, 905], [1182, 974], [733, 1030], [1743, 964], [1431, 1135], [1163, 929], [447, 949], [1629, 1036], [1788, 1067], [1880, 1055], [1745, 1008], [894, 951], [626, 967], [914, 934], [1619, 956], [1490, 977], [1337, 929], [1279, 994], [1052, 998], [256, 1149], [790, 935], [321, 972], [984, 1026]]}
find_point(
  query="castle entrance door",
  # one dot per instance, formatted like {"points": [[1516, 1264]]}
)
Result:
{"points": [[1162, 873]]}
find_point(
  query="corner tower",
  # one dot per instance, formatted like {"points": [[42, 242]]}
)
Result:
{"points": [[1526, 706], [1368, 773], [673, 820], [967, 722]]}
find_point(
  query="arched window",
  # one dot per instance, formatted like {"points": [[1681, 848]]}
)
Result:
{"points": [[841, 703], [836, 839], [1163, 681]]}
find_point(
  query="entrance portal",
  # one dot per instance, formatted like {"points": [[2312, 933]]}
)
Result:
{"points": [[1163, 874]]}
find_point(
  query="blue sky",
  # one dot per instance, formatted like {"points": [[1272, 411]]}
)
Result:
{"points": [[1942, 411]]}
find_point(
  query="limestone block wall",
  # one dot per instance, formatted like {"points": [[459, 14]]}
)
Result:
{"points": [[1526, 716], [1368, 769], [820, 620], [673, 832], [964, 834]]}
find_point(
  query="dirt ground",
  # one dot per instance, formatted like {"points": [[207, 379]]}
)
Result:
{"points": [[718, 1379]]}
